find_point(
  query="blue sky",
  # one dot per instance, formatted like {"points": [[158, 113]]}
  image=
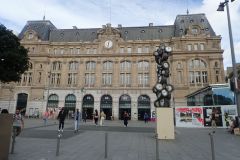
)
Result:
{"points": [[94, 13]]}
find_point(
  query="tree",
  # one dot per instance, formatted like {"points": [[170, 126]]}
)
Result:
{"points": [[14, 60]]}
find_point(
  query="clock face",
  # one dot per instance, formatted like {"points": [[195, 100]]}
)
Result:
{"points": [[108, 44]]}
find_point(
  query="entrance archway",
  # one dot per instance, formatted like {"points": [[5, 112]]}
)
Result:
{"points": [[22, 102], [124, 105], [70, 104], [106, 106], [144, 105], [88, 105]]}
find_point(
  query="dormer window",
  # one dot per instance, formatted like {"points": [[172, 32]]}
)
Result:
{"points": [[194, 31], [191, 21], [182, 21], [126, 32], [206, 29], [142, 31], [160, 30], [30, 35], [202, 20]]}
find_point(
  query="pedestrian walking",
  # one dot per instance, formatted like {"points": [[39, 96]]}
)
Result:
{"points": [[95, 115], [61, 117], [125, 118], [102, 118], [84, 116], [213, 118], [77, 120], [145, 117], [45, 117], [18, 123]]}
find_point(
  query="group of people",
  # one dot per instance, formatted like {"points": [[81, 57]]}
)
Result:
{"points": [[77, 117]]}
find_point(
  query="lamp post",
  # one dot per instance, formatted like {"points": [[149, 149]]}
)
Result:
{"points": [[49, 75], [221, 8]]}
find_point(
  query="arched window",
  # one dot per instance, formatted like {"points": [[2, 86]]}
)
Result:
{"points": [[143, 65], [52, 101], [73, 66], [197, 71], [144, 101], [91, 66], [125, 66], [70, 101], [107, 66]]}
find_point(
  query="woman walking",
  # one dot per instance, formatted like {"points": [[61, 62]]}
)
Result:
{"points": [[96, 117]]}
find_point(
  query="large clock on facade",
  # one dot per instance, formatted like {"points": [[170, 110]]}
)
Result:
{"points": [[108, 44]]}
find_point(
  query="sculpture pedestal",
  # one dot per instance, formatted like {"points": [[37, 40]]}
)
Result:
{"points": [[165, 123], [6, 121]]}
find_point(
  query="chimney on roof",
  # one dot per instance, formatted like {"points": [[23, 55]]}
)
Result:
{"points": [[119, 26], [74, 27], [150, 24]]}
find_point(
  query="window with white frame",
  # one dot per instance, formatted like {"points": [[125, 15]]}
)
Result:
{"points": [[56, 66], [195, 46], [71, 50], [89, 79], [143, 79], [197, 71], [121, 50], [189, 47], [125, 79], [107, 66], [143, 65], [78, 51], [125, 66], [91, 66], [129, 50], [145, 49], [73, 66], [201, 46], [139, 50], [106, 78], [72, 78], [62, 51], [55, 51]]}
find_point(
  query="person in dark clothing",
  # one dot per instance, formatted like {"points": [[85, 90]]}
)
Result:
{"points": [[96, 117], [145, 117], [84, 116], [61, 117], [125, 118]]}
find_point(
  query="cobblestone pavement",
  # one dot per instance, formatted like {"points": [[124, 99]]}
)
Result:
{"points": [[135, 142]]}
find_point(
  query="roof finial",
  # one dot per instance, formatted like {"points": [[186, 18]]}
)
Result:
{"points": [[44, 17], [187, 12], [187, 8]]}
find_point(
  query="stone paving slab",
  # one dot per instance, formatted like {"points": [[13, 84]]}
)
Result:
{"points": [[190, 144]]}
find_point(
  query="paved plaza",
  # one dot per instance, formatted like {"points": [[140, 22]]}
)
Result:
{"points": [[135, 142]]}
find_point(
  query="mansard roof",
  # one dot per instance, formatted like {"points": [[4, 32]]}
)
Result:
{"points": [[42, 28], [48, 32]]}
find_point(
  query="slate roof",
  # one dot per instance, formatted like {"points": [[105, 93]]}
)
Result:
{"points": [[43, 29], [48, 32], [182, 23]]}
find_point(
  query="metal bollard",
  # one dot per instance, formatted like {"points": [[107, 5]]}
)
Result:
{"points": [[106, 144], [58, 143], [212, 144], [13, 140], [157, 148]]}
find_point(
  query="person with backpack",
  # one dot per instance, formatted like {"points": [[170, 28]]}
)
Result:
{"points": [[61, 117], [76, 120]]}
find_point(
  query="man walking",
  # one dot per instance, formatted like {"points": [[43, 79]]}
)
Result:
{"points": [[61, 117], [76, 120], [18, 123]]}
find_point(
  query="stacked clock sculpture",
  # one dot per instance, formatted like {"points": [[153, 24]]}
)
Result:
{"points": [[162, 88]]}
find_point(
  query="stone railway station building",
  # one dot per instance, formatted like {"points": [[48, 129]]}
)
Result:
{"points": [[113, 68]]}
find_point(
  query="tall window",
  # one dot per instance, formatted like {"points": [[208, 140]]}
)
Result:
{"points": [[107, 78], [122, 50], [189, 47], [90, 66], [73, 66], [55, 79], [72, 79], [129, 50], [89, 79], [197, 71], [143, 79], [107, 66], [125, 66], [143, 65], [201, 46], [179, 77], [125, 79], [145, 49], [56, 66], [139, 50]]}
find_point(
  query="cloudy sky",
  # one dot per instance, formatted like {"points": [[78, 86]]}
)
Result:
{"points": [[94, 13]]}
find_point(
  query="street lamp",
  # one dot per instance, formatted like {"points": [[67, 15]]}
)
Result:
{"points": [[221, 8]]}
